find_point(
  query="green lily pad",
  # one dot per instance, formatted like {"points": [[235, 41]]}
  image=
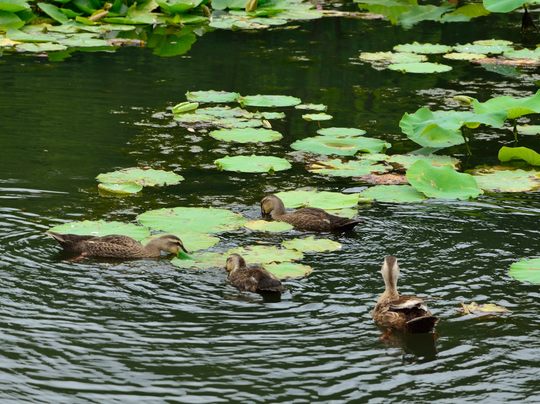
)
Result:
{"points": [[512, 107], [493, 42], [421, 67], [519, 153], [497, 180], [312, 107], [265, 254], [494, 49], [392, 194], [246, 135], [422, 48], [201, 260], [264, 225], [523, 54], [252, 164], [225, 112], [354, 168], [318, 199], [126, 188], [102, 228], [341, 132], [311, 244], [331, 145], [317, 117], [442, 182], [270, 115], [504, 6], [464, 56], [212, 96], [288, 270], [145, 177], [406, 160], [526, 270], [528, 129], [269, 101], [392, 57], [191, 219], [40, 47]]}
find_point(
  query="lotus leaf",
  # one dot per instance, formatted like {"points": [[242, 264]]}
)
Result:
{"points": [[102, 228], [330, 145], [406, 160], [482, 309], [421, 67], [288, 270], [337, 168], [269, 101], [392, 194], [519, 153], [246, 135], [76, 41], [264, 225], [341, 132], [464, 56], [311, 244], [312, 107], [504, 6], [494, 180], [41, 47], [422, 48], [528, 129], [191, 219], [202, 260], [225, 112], [392, 57], [512, 107], [252, 164], [442, 182], [126, 188], [270, 115], [317, 117], [318, 199], [10, 20], [465, 13], [144, 177], [184, 107], [192, 241], [485, 49], [526, 270], [523, 54], [14, 5], [265, 254], [54, 12]]}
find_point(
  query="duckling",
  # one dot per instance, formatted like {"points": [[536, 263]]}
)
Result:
{"points": [[253, 278], [311, 219], [403, 313], [117, 246]]}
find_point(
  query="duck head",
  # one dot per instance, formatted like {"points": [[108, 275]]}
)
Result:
{"points": [[168, 243], [272, 206], [234, 262]]}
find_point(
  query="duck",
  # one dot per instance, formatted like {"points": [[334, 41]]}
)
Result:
{"points": [[401, 313], [118, 246], [310, 219], [253, 278]]}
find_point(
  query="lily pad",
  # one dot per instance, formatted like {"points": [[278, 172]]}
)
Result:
{"points": [[504, 6], [526, 270], [337, 168], [192, 219], [483, 309], [102, 228], [246, 135], [212, 96], [494, 49], [40, 47], [392, 57], [145, 177], [464, 56], [331, 145], [317, 117], [201, 260], [421, 67], [269, 101], [252, 164], [406, 160], [265, 254], [442, 182], [311, 244], [392, 194], [288, 270], [264, 225], [341, 132], [126, 188], [528, 129], [512, 107], [497, 180], [318, 199], [312, 107], [423, 48]]}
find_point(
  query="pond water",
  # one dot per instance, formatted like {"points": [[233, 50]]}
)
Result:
{"points": [[94, 331]]}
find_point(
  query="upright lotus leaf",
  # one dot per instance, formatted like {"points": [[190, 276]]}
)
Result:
{"points": [[512, 107], [420, 67], [54, 12], [14, 6], [331, 145], [125, 188], [265, 254], [392, 194], [317, 117], [9, 20], [482, 309], [422, 48], [192, 241], [526, 270], [102, 228], [269, 101], [312, 107], [341, 132], [267, 226], [194, 220], [252, 164], [288, 270], [318, 199], [212, 96], [311, 244], [442, 182], [337, 168], [528, 129], [493, 179], [246, 135], [440, 129], [201, 260], [465, 13], [145, 177], [505, 6], [519, 153]]}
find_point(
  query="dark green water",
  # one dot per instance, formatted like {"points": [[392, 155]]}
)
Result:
{"points": [[146, 331]]}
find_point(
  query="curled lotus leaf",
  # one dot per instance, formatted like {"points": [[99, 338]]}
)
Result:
{"points": [[269, 101], [252, 164], [318, 199], [482, 309], [312, 107], [420, 67], [267, 226], [354, 168], [526, 270], [265, 254], [212, 96], [331, 145], [464, 56], [102, 228], [519, 153], [392, 194], [288, 270], [311, 244], [145, 177], [200, 260], [422, 48], [341, 132], [184, 107], [125, 188], [192, 219], [317, 117], [246, 135], [512, 107], [493, 179]]}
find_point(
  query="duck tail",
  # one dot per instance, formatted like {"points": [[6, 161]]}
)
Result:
{"points": [[422, 324], [67, 240], [57, 236]]}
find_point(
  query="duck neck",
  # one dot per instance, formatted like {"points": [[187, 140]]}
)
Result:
{"points": [[279, 209], [390, 285], [153, 249]]}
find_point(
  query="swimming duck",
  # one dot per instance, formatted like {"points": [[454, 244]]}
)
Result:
{"points": [[253, 278], [403, 313], [117, 246], [311, 219]]}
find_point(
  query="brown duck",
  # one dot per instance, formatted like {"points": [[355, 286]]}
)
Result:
{"points": [[403, 313], [253, 278], [311, 219], [117, 246]]}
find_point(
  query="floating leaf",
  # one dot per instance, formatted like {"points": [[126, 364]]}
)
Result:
{"points": [[504, 6], [317, 117], [246, 135], [392, 57], [191, 219], [528, 129], [487, 48], [126, 188], [102, 228], [501, 180], [40, 47], [523, 54], [337, 168], [422, 48], [311, 244], [212, 96], [331, 145], [512, 107], [392, 194], [202, 260], [318, 199], [252, 164], [265, 254], [464, 56], [264, 225], [519, 153], [442, 182], [341, 132], [288, 270], [526, 270], [270, 115], [145, 177], [483, 309], [406, 160], [313, 107], [421, 67], [269, 101]]}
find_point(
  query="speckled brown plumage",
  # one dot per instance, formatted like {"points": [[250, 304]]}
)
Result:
{"points": [[253, 278]]}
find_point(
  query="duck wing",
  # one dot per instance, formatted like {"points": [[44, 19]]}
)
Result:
{"points": [[255, 279], [315, 219], [267, 282], [70, 242], [100, 247], [413, 310], [118, 239]]}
